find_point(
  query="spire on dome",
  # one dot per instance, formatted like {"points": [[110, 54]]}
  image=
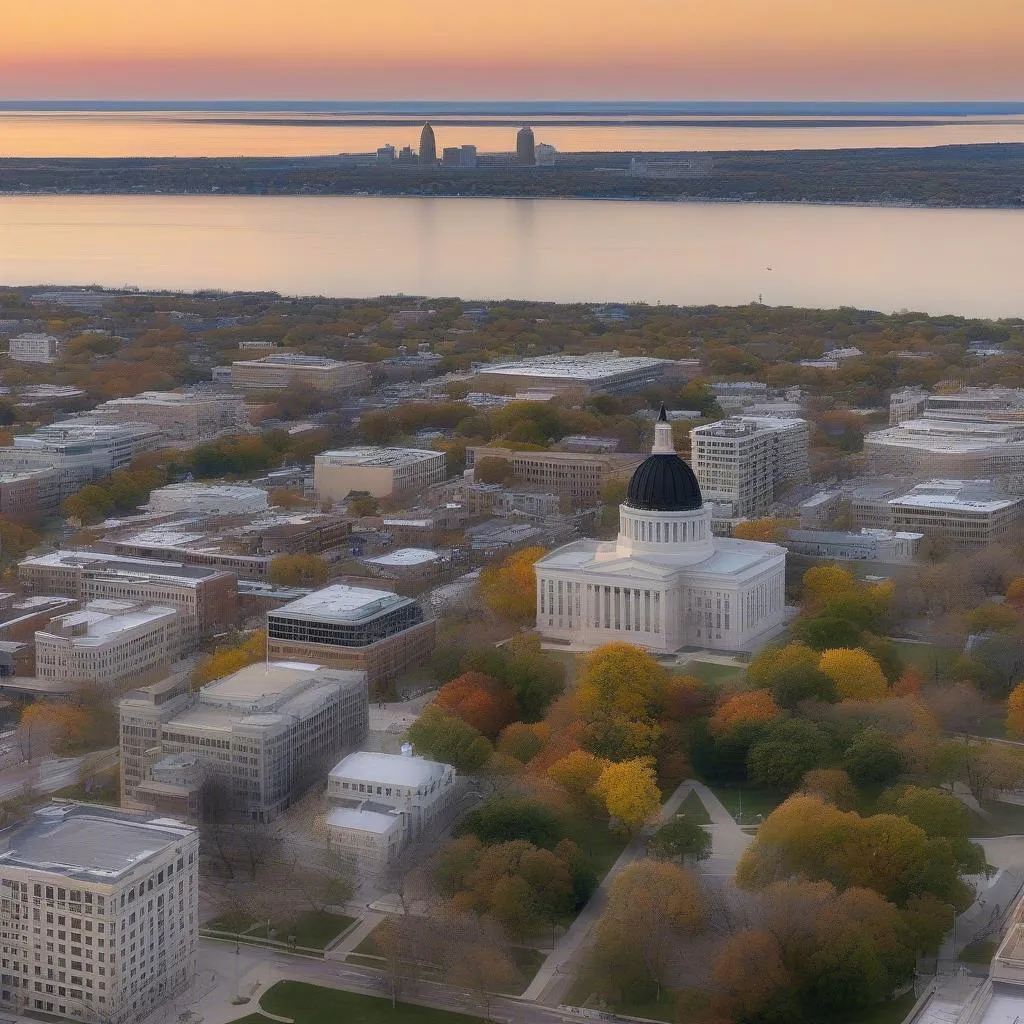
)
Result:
{"points": [[663, 441]]}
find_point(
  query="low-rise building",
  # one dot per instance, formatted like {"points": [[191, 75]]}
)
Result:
{"points": [[373, 631], [407, 564], [208, 499], [119, 892], [263, 735], [281, 370], [385, 802], [967, 514], [109, 643], [29, 495], [185, 417], [896, 546], [598, 373], [379, 472], [34, 348]]}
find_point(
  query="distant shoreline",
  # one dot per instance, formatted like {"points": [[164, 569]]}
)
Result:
{"points": [[988, 176]]}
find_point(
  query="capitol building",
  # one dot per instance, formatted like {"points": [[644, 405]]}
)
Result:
{"points": [[666, 582]]}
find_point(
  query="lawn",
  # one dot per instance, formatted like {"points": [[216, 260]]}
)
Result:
{"points": [[310, 1004], [931, 661], [313, 929], [753, 800], [693, 810], [728, 677]]}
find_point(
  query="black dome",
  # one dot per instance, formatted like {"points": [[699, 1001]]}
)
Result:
{"points": [[664, 483]]}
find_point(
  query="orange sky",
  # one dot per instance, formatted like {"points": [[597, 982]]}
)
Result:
{"points": [[438, 49]]}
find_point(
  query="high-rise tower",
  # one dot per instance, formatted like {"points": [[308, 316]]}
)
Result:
{"points": [[526, 152], [428, 146]]}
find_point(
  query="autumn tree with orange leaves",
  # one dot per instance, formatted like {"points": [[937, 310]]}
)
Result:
{"points": [[510, 589], [479, 700]]}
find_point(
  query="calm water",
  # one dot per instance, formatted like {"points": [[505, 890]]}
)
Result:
{"points": [[937, 261], [186, 133]]}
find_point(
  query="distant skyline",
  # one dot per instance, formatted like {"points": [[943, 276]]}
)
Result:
{"points": [[515, 49]]}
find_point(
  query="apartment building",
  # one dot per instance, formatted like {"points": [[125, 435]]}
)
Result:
{"points": [[372, 631], [380, 472], [263, 735], [746, 461], [579, 476], [206, 598], [99, 913], [281, 370], [111, 643], [186, 418], [385, 802], [26, 496], [34, 348]]}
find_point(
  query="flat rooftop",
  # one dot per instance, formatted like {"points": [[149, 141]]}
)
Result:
{"points": [[406, 557], [87, 842], [259, 681], [119, 564], [359, 819], [584, 368], [105, 620], [744, 426], [389, 769], [342, 603], [377, 457], [295, 359]]}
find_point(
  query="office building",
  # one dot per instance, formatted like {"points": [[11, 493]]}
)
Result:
{"points": [[906, 404], [578, 476], [600, 373], [34, 348], [26, 496], [385, 802], [892, 546], [206, 598], [263, 735], [428, 146], [186, 418], [667, 582], [372, 631], [947, 446], [99, 913], [545, 155], [111, 643], [967, 514], [380, 472], [282, 370], [747, 461], [208, 499], [526, 147]]}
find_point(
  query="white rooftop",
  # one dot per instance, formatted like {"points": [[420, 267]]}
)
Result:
{"points": [[105, 620], [369, 455], [360, 820], [405, 557], [389, 769], [342, 603], [599, 366]]}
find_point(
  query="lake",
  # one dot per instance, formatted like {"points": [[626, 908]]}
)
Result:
{"points": [[186, 133], [936, 261]]}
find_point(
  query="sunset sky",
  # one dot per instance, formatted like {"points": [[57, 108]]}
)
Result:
{"points": [[517, 49]]}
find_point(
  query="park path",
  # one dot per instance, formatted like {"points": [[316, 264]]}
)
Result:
{"points": [[555, 976]]}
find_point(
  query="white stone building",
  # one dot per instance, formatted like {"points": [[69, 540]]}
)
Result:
{"points": [[99, 913], [667, 581], [34, 348], [384, 802], [208, 499], [744, 462]]}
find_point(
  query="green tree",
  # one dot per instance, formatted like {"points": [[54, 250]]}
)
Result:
{"points": [[680, 838], [451, 740], [298, 571], [786, 751], [873, 759]]}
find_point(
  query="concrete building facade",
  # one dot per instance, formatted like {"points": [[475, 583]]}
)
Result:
{"points": [[281, 370], [379, 472], [34, 348], [185, 417]]}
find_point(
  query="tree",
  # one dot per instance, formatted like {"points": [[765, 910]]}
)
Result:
{"points": [[1015, 592], [16, 540], [475, 956], [680, 838], [363, 505], [510, 589], [1015, 710], [825, 583], [523, 742], [856, 674], [750, 707], [298, 571], [786, 751], [45, 728], [505, 819], [620, 679], [492, 469], [832, 785], [479, 700], [651, 905], [445, 738], [286, 497], [751, 977], [228, 659], [770, 530], [577, 773], [792, 675], [630, 791], [873, 759]]}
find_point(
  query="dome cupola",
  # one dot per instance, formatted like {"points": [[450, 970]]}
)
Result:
{"points": [[664, 482]]}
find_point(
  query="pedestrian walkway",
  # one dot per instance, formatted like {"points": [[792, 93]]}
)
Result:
{"points": [[341, 949]]}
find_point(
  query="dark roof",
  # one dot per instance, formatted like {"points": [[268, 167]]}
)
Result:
{"points": [[664, 483]]}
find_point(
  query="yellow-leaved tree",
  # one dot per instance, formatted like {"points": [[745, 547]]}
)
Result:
{"points": [[769, 530], [822, 584], [856, 674], [298, 570], [744, 708], [622, 680], [1015, 711], [510, 589], [630, 791], [228, 659], [577, 773]]}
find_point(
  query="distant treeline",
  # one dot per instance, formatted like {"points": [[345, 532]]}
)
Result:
{"points": [[972, 176]]}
